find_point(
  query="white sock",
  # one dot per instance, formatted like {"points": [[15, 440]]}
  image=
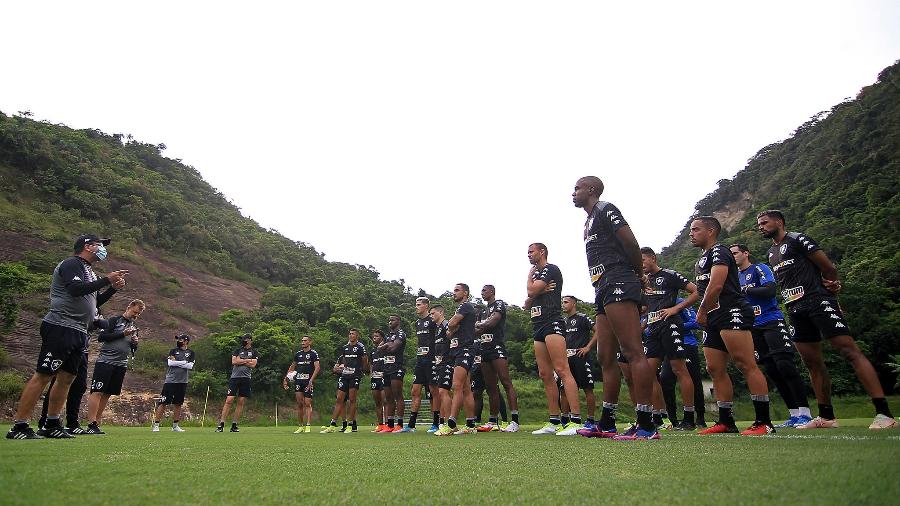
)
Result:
{"points": [[805, 412], [794, 412]]}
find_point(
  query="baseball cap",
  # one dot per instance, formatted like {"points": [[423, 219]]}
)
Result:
{"points": [[85, 239], [182, 337]]}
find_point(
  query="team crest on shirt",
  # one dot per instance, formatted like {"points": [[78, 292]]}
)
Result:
{"points": [[702, 262], [659, 281], [749, 276], [783, 248]]}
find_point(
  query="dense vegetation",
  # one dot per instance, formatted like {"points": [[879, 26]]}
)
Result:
{"points": [[837, 179]]}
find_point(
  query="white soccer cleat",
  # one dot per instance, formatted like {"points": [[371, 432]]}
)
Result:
{"points": [[155, 427], [547, 429], [569, 429], [511, 427], [818, 423], [883, 422], [176, 428]]}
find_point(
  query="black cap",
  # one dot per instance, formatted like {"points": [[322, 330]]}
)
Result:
{"points": [[245, 338], [85, 239], [182, 337]]}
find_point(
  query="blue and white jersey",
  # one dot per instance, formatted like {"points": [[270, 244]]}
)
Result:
{"points": [[765, 309]]}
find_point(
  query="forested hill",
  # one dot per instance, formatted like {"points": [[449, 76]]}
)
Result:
{"points": [[837, 178]]}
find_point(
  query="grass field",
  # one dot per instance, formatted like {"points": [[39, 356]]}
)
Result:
{"points": [[270, 465]]}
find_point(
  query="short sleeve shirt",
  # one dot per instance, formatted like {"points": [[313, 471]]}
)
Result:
{"points": [[495, 334], [798, 277], [547, 306], [243, 371], [179, 374], [731, 295], [464, 337], [351, 358], [306, 363], [393, 361], [425, 330], [604, 251], [662, 291], [579, 329], [765, 310]]}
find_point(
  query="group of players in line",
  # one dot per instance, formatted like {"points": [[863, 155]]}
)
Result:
{"points": [[643, 330]]}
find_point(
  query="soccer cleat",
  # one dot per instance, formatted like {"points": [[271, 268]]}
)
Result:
{"points": [[666, 426], [818, 423], [548, 428], [397, 428], [406, 429], [331, 429], [638, 435], [589, 425], [444, 430], [463, 430], [701, 423], [93, 429], [802, 419], [759, 429], [155, 427], [220, 427], [299, 430], [23, 433], [380, 427], [433, 429], [488, 427], [384, 429], [511, 427], [883, 422], [719, 428], [57, 433], [307, 429], [569, 429], [593, 431], [177, 428], [685, 426], [345, 430], [234, 428], [76, 430], [790, 422]]}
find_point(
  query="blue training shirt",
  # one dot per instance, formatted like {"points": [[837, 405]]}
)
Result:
{"points": [[765, 310]]}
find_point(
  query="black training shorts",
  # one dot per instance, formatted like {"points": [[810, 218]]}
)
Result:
{"points": [[771, 338], [818, 318], [544, 328], [665, 341], [238, 387], [617, 286], [581, 370], [173, 393], [422, 373], [62, 348], [300, 387], [108, 378], [345, 383]]}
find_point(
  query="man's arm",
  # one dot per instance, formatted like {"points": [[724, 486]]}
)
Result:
{"points": [[717, 276], [828, 270], [236, 360], [315, 373], [690, 300], [592, 343], [453, 324], [491, 322], [631, 248], [110, 334], [284, 381], [105, 296]]}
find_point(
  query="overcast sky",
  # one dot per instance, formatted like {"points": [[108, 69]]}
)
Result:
{"points": [[436, 140]]}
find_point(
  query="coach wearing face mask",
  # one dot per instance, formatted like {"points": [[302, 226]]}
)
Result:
{"points": [[74, 298]]}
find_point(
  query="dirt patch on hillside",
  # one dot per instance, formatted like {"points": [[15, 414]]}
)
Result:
{"points": [[733, 212]]}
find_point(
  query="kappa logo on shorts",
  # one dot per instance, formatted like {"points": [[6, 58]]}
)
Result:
{"points": [[828, 309], [834, 316], [737, 319], [839, 325], [824, 303], [679, 349], [618, 291]]}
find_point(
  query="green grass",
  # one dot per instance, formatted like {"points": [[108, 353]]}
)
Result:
{"points": [[270, 465]]}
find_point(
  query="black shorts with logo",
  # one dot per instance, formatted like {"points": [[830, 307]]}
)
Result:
{"points": [[173, 393], [446, 372], [300, 387], [477, 379], [437, 370], [108, 378], [62, 348], [617, 286], [665, 340], [462, 357], [378, 383], [771, 338], [817, 318], [581, 370], [734, 318], [238, 387], [493, 349], [422, 373], [346, 382], [544, 328]]}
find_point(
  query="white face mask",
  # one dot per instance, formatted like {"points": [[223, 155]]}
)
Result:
{"points": [[101, 253]]}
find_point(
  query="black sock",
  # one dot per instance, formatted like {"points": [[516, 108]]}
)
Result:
{"points": [[554, 419], [442, 421], [233, 423], [564, 418], [470, 423], [343, 424], [725, 415], [52, 423], [400, 421], [435, 417], [645, 418], [390, 422], [515, 416], [761, 407], [20, 425], [451, 422], [353, 425], [826, 411], [175, 422], [688, 417], [608, 416], [657, 419], [881, 407], [590, 420], [576, 418], [412, 419]]}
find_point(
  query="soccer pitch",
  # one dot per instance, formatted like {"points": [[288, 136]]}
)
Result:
{"points": [[270, 465]]}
